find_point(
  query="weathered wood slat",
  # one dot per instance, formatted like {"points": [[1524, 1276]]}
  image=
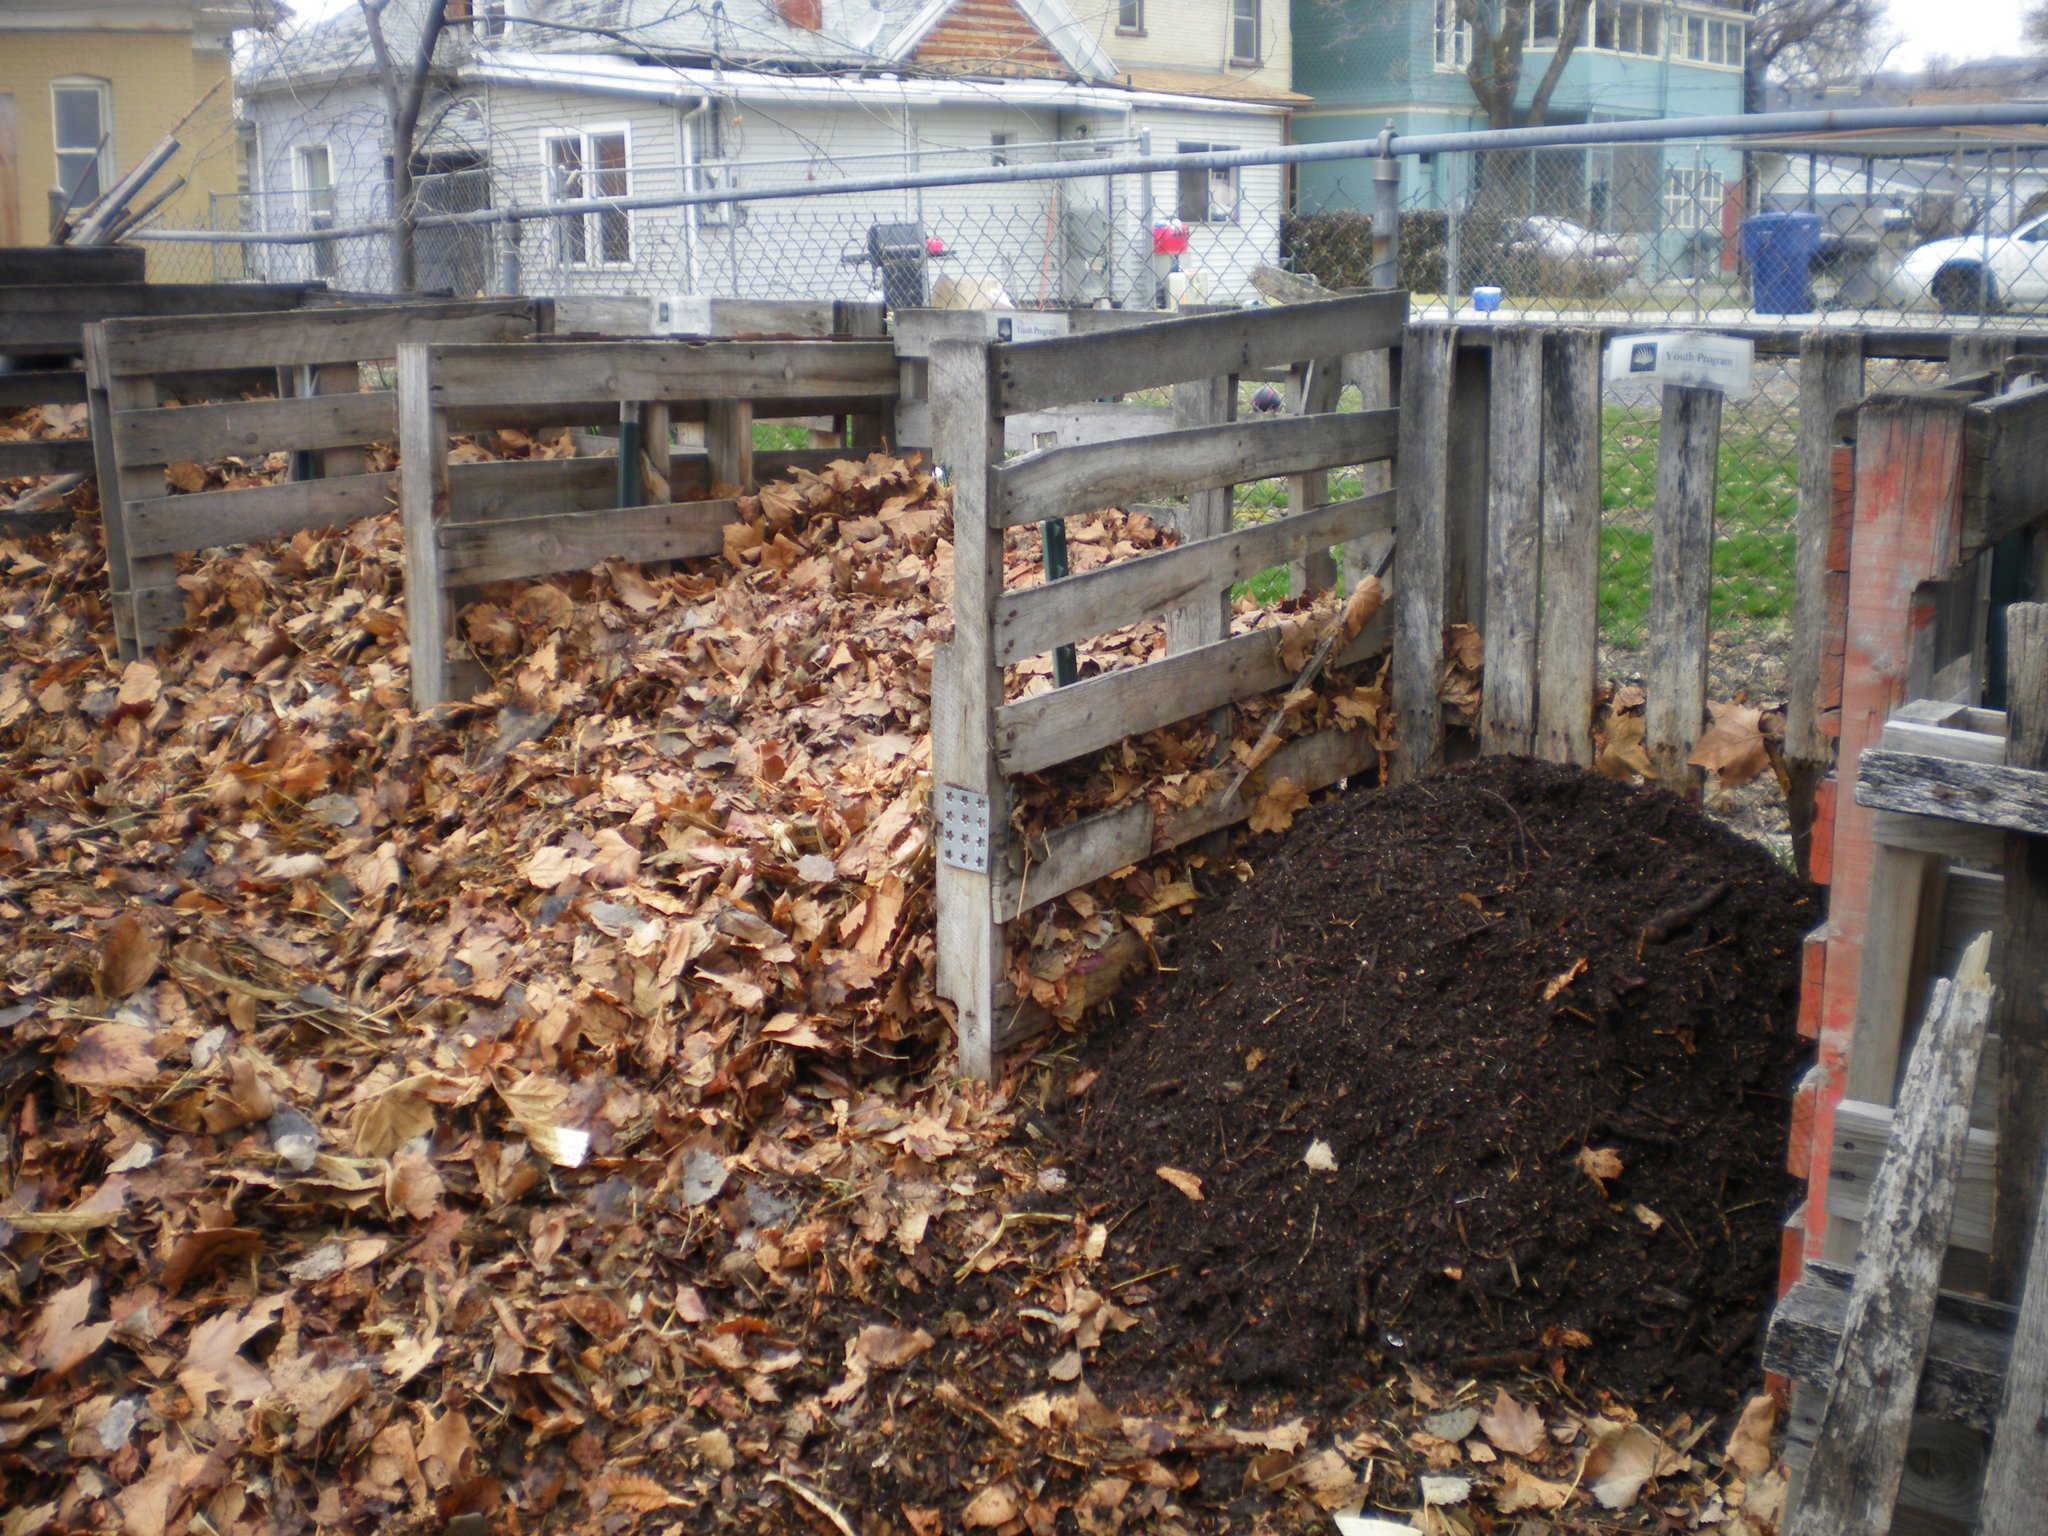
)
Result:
{"points": [[423, 503], [527, 487], [1427, 356], [1053, 727], [1058, 482], [1859, 1453], [779, 375], [51, 265], [1967, 1346], [1984, 795], [1901, 832], [2023, 1092], [1033, 375], [1205, 617], [1313, 388], [1830, 378], [1035, 619], [1076, 855], [2015, 1487], [169, 525], [246, 428], [2005, 467], [1863, 1131], [42, 386], [1514, 546], [1568, 633], [309, 337], [506, 549], [46, 456], [1681, 582], [52, 318]]}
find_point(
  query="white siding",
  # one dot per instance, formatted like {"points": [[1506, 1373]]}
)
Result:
{"points": [[350, 121], [1194, 35]]}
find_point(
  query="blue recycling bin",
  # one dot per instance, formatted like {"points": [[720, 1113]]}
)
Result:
{"points": [[1779, 248]]}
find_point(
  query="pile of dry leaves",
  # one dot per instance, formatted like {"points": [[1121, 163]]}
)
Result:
{"points": [[538, 1112]]}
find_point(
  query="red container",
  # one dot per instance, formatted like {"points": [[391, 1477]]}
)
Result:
{"points": [[1169, 239]]}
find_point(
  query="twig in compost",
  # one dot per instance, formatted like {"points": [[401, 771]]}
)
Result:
{"points": [[815, 1499], [1676, 919]]}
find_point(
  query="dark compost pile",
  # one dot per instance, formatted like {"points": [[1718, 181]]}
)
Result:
{"points": [[1541, 1023]]}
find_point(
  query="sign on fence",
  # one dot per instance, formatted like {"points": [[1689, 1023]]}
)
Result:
{"points": [[1701, 362]]}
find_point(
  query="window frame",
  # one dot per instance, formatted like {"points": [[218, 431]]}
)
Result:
{"points": [[1135, 27], [1245, 13], [1693, 198], [591, 237], [1453, 51], [102, 91], [1233, 179], [308, 197]]}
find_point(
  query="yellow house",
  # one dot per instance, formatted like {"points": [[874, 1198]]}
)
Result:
{"points": [[88, 87]]}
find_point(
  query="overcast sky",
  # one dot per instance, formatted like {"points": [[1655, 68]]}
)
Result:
{"points": [[1959, 29]]}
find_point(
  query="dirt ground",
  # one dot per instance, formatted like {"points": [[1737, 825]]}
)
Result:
{"points": [[1486, 1072]]}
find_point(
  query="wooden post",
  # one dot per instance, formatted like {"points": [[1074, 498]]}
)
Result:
{"points": [[1859, 1452], [1205, 619], [1514, 543], [1830, 379], [2022, 1167], [729, 447], [1427, 356], [2015, 1492], [968, 439], [1312, 388], [1568, 632], [1681, 582], [422, 500], [143, 592], [1373, 374]]}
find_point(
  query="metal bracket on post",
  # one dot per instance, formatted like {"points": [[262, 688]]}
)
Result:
{"points": [[1386, 214], [963, 828]]}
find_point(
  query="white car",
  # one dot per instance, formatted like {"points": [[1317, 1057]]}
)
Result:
{"points": [[1970, 272], [1578, 257]]}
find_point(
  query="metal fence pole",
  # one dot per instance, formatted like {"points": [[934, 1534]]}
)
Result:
{"points": [[1386, 215], [1453, 277]]}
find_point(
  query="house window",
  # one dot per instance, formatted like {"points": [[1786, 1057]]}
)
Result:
{"points": [[82, 123], [314, 168], [1543, 24], [1130, 16], [1696, 38], [1244, 31], [1207, 197], [583, 167], [1692, 198], [999, 149], [1604, 17], [494, 18], [1453, 37]]}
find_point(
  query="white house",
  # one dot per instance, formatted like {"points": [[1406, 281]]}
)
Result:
{"points": [[542, 102]]}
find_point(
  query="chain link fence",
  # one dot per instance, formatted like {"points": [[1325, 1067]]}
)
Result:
{"points": [[1940, 232]]}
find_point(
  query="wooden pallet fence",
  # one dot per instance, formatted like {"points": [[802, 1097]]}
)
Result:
{"points": [[976, 385], [661, 503], [145, 377]]}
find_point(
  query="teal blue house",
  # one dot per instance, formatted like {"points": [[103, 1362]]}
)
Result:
{"points": [[1371, 62]]}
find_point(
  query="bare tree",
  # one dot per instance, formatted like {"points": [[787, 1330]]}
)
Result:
{"points": [[1500, 32], [1812, 42], [405, 96]]}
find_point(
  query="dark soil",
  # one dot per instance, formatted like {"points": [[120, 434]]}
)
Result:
{"points": [[1379, 985]]}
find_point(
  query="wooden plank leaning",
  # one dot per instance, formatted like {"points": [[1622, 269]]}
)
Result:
{"points": [[972, 796], [1427, 357], [1568, 631], [1514, 544], [422, 502], [1681, 582], [1852, 1481], [2022, 1170]]}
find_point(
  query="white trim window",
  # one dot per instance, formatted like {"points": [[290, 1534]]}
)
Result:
{"points": [[1453, 38], [82, 134], [1207, 197], [1692, 198], [581, 166], [1244, 31], [313, 180]]}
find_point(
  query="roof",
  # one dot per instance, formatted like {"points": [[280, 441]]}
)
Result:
{"points": [[747, 34], [1181, 82]]}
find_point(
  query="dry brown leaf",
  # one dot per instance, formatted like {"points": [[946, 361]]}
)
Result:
{"points": [[382, 1124], [128, 955], [1520, 1489], [109, 1056], [1513, 1426], [1623, 755], [888, 1347], [1599, 1164], [1622, 1458], [1732, 748], [1563, 979], [1274, 811], [61, 1338], [1749, 1444], [995, 1505], [1185, 1182], [184, 475]]}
